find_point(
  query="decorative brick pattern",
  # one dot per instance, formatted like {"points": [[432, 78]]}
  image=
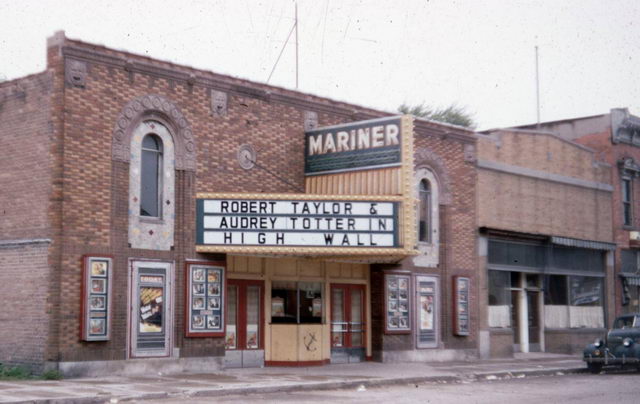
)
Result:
{"points": [[160, 108], [68, 172]]}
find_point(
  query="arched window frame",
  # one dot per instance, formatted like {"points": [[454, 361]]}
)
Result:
{"points": [[152, 232], [429, 246]]}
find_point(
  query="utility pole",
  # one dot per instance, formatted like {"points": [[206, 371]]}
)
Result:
{"points": [[296, 23], [537, 91]]}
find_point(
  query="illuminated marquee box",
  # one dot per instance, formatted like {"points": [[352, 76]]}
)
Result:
{"points": [[297, 223]]}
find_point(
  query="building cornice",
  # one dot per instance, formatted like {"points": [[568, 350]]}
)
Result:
{"points": [[542, 175], [244, 88]]}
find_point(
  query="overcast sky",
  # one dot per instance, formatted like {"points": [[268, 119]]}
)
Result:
{"points": [[479, 54]]}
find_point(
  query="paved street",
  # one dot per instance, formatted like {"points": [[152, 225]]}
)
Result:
{"points": [[582, 388], [245, 384]]}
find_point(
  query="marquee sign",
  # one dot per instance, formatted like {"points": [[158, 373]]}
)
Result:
{"points": [[361, 145], [310, 222]]}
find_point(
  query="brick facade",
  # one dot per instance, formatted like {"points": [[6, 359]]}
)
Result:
{"points": [[600, 134], [24, 293], [64, 183], [534, 186], [537, 186]]}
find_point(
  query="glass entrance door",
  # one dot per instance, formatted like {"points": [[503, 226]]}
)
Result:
{"points": [[151, 312], [244, 340], [347, 323]]}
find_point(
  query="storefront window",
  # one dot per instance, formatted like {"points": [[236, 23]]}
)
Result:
{"points": [[296, 302], [573, 301], [586, 291], [499, 299], [556, 292]]}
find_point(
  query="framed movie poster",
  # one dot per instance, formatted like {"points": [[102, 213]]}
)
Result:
{"points": [[461, 287], [428, 308], [205, 299], [96, 297], [397, 304]]}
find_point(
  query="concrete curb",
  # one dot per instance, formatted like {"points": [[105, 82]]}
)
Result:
{"points": [[340, 385]]}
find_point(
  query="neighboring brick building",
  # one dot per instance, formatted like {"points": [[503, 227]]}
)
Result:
{"points": [[615, 136], [545, 245], [101, 158]]}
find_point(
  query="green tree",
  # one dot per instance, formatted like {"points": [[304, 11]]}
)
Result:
{"points": [[453, 114]]}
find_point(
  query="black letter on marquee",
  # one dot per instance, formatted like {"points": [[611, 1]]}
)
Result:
{"points": [[280, 238], [224, 206], [227, 236], [328, 238], [372, 209], [261, 237]]}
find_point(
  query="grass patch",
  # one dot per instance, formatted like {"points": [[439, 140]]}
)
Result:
{"points": [[14, 373], [52, 375], [21, 373]]}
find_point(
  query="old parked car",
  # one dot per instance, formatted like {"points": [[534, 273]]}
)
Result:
{"points": [[621, 347]]}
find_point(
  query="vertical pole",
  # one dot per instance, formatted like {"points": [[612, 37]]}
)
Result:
{"points": [[537, 90], [296, 44], [523, 313]]}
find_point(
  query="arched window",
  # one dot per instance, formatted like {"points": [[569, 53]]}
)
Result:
{"points": [[424, 224], [150, 178]]}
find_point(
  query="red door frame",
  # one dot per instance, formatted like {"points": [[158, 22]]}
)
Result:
{"points": [[346, 312], [241, 313]]}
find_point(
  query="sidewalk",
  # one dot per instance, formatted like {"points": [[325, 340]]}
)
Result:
{"points": [[265, 380]]}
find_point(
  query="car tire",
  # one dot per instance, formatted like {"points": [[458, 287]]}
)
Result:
{"points": [[594, 368]]}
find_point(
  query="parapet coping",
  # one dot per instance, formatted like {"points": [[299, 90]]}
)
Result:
{"points": [[26, 241]]}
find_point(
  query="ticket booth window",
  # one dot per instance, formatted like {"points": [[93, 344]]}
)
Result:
{"points": [[296, 302]]}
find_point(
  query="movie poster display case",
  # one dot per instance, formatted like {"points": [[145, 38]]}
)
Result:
{"points": [[205, 299], [461, 286], [397, 303], [96, 297]]}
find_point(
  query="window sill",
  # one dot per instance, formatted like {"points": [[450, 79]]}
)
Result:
{"points": [[151, 220]]}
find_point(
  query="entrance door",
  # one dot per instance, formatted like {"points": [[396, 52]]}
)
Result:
{"points": [[533, 320], [347, 323], [244, 341], [151, 314], [515, 319]]}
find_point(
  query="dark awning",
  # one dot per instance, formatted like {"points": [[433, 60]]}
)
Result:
{"points": [[574, 242], [632, 279]]}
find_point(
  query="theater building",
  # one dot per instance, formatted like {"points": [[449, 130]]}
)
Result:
{"points": [[157, 217], [546, 249]]}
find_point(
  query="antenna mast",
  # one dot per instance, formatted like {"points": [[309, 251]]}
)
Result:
{"points": [[537, 91], [296, 25], [294, 28]]}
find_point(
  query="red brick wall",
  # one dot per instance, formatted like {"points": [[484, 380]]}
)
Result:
{"points": [[456, 173], [613, 153], [25, 171], [30, 192], [24, 290]]}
